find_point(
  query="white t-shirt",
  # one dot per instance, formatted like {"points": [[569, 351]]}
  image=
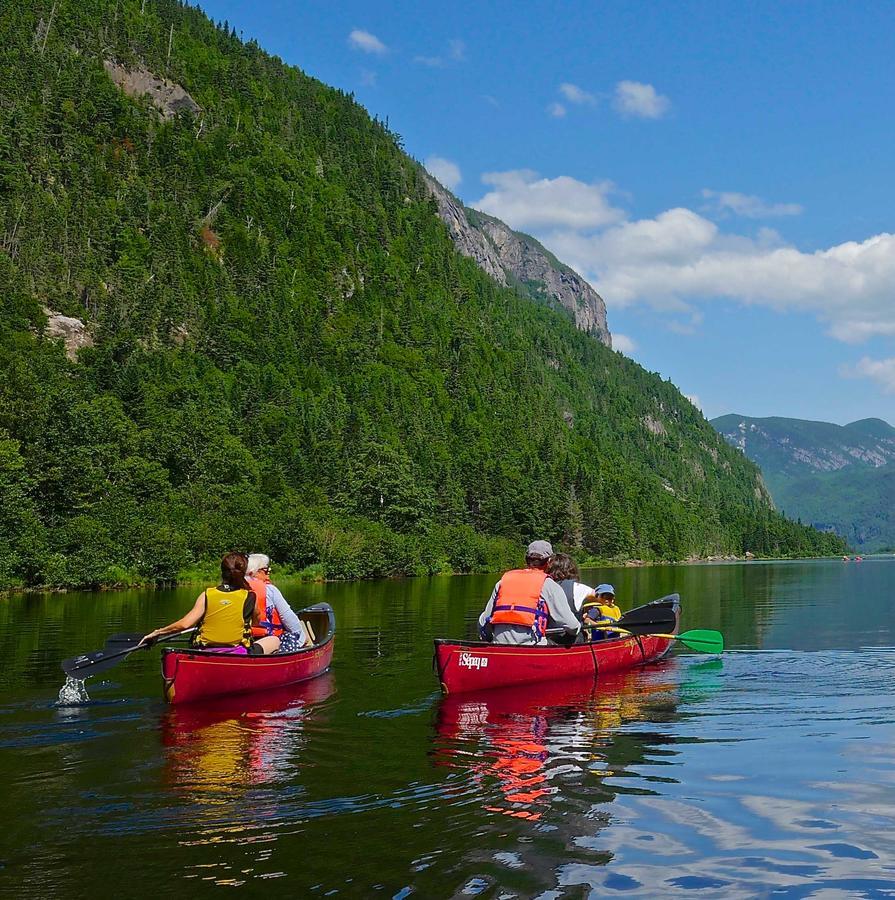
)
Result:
{"points": [[580, 592]]}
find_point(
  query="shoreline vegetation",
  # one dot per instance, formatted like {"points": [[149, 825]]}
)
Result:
{"points": [[314, 574]]}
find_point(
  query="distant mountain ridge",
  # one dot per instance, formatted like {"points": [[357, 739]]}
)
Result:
{"points": [[835, 477]]}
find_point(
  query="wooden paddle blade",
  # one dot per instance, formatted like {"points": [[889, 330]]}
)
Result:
{"points": [[703, 640]]}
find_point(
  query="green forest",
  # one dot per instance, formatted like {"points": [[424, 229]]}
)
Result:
{"points": [[287, 353]]}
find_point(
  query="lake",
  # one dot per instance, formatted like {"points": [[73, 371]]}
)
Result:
{"points": [[758, 773]]}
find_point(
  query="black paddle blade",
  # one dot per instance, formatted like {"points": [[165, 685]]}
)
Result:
{"points": [[652, 618], [90, 664]]}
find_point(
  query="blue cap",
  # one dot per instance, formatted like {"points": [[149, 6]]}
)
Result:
{"points": [[604, 589]]}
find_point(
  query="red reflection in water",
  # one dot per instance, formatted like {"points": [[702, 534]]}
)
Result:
{"points": [[508, 737]]}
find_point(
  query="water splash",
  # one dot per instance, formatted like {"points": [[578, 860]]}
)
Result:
{"points": [[73, 693]]}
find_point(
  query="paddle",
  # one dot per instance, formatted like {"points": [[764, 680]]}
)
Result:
{"points": [[652, 617], [661, 619], [643, 620], [89, 664], [700, 639]]}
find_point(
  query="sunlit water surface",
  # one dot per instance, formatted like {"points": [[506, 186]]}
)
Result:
{"points": [[764, 773]]}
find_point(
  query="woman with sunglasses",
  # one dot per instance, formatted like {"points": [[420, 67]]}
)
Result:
{"points": [[276, 620]]}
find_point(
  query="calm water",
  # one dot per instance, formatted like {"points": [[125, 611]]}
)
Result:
{"points": [[764, 773]]}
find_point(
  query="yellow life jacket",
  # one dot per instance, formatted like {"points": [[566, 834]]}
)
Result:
{"points": [[596, 613], [224, 623]]}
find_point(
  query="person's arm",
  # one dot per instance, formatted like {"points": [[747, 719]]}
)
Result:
{"points": [[291, 622], [250, 608], [561, 615], [489, 607], [193, 617]]}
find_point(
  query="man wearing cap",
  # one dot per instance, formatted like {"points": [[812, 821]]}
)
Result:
{"points": [[526, 602], [600, 610]]}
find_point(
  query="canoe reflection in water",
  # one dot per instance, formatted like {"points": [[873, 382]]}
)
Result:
{"points": [[240, 741], [512, 743]]}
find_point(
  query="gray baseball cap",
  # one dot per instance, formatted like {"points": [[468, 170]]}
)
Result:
{"points": [[543, 549]]}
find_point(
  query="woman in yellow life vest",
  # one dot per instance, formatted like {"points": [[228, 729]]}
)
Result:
{"points": [[600, 609], [224, 614]]}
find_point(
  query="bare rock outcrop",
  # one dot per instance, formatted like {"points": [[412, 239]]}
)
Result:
{"points": [[73, 332], [166, 96], [468, 240], [511, 257]]}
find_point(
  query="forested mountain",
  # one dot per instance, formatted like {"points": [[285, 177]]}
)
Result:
{"points": [[838, 477], [231, 317]]}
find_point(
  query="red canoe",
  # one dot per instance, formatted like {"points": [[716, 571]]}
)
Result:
{"points": [[476, 666], [191, 674]]}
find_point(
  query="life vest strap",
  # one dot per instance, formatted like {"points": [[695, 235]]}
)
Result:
{"points": [[512, 607]]}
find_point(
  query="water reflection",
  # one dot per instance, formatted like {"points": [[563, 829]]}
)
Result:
{"points": [[513, 745], [241, 741]]}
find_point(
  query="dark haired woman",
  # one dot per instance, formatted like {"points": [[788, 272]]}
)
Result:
{"points": [[224, 614], [564, 571]]}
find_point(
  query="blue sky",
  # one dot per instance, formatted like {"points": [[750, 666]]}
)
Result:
{"points": [[720, 172]]}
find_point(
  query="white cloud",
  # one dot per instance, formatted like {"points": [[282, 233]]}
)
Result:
{"points": [[575, 94], [748, 205], [523, 200], [491, 101], [881, 371], [557, 110], [447, 172], [367, 42], [623, 344], [434, 62], [694, 399], [367, 78], [457, 50], [679, 262], [679, 258], [637, 100]]}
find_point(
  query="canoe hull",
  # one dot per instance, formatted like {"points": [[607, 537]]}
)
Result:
{"points": [[464, 666], [191, 675]]}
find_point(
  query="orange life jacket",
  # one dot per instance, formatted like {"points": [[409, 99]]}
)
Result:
{"points": [[267, 624], [518, 600]]}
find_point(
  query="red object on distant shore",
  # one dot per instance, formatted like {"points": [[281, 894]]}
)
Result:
{"points": [[191, 674], [477, 666]]}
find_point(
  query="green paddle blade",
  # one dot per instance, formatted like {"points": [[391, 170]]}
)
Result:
{"points": [[703, 640]]}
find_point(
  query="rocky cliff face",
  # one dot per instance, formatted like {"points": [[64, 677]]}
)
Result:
{"points": [[166, 96], [512, 258]]}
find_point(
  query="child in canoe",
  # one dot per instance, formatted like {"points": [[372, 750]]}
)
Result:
{"points": [[600, 609]]}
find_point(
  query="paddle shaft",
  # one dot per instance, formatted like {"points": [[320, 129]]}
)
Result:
{"points": [[701, 640], [93, 663]]}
